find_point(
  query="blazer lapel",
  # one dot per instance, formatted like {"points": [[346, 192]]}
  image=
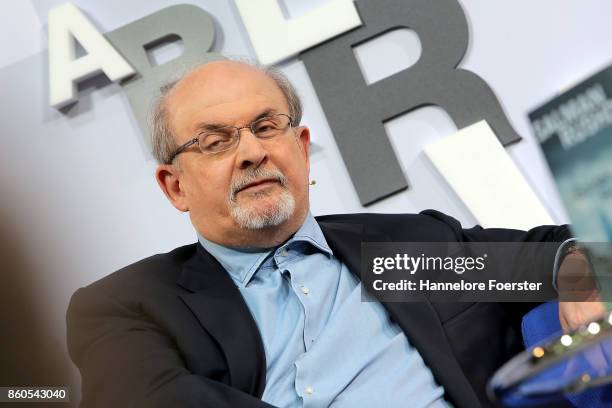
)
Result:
{"points": [[418, 320], [218, 305]]}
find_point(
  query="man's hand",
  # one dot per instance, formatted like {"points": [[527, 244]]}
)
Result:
{"points": [[572, 315], [576, 281]]}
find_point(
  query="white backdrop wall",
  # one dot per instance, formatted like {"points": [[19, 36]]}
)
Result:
{"points": [[78, 195]]}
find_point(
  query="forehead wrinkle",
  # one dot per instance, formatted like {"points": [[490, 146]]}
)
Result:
{"points": [[206, 126]]}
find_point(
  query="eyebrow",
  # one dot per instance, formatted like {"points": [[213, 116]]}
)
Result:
{"points": [[208, 126]]}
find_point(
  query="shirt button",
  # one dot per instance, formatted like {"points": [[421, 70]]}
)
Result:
{"points": [[309, 390], [305, 290]]}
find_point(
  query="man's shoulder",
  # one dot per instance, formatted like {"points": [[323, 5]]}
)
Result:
{"points": [[157, 270], [432, 221], [365, 217]]}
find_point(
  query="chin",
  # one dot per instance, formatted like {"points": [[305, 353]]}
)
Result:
{"points": [[263, 211]]}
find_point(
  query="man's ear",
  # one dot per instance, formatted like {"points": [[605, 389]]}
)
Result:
{"points": [[168, 177], [303, 139]]}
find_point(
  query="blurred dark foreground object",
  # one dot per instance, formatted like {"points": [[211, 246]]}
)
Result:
{"points": [[557, 368], [31, 354]]}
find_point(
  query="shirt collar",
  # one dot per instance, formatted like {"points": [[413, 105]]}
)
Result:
{"points": [[310, 232], [243, 263]]}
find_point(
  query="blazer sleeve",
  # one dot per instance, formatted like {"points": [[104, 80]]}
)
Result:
{"points": [[538, 260], [541, 265], [543, 233], [125, 360]]}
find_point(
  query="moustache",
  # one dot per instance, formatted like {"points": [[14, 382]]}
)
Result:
{"points": [[253, 176]]}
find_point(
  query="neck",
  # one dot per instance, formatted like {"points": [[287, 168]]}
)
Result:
{"points": [[260, 238]]}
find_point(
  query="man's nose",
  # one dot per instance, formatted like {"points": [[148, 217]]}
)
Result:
{"points": [[251, 152]]}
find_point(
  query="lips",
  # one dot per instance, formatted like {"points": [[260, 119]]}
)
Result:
{"points": [[257, 183]]}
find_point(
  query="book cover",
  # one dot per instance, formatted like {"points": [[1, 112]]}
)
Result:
{"points": [[574, 130]]}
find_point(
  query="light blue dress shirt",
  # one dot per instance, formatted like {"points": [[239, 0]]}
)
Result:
{"points": [[324, 346]]}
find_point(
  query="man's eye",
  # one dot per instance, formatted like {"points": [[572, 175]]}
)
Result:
{"points": [[266, 128], [214, 142]]}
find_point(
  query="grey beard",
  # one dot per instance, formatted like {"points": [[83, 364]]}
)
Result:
{"points": [[254, 219]]}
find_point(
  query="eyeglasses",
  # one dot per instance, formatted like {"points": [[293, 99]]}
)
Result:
{"points": [[224, 138]]}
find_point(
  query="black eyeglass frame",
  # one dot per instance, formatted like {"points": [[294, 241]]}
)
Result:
{"points": [[250, 126]]}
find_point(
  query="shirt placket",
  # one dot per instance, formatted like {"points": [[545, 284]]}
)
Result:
{"points": [[287, 260]]}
